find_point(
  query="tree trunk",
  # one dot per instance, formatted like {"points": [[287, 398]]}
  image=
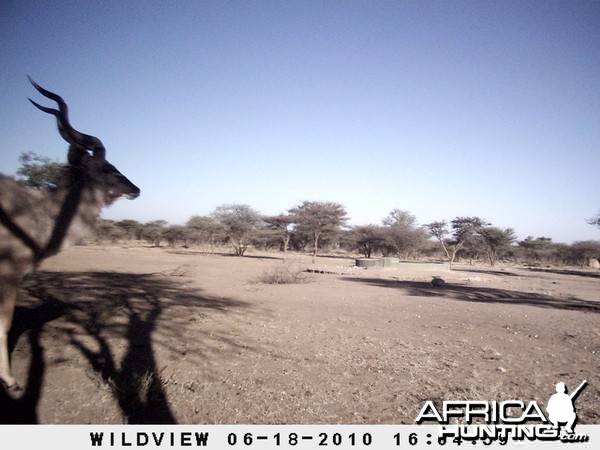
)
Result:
{"points": [[286, 242], [316, 242]]}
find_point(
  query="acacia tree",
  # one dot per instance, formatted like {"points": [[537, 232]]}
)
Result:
{"points": [[175, 234], [132, 229], [464, 230], [281, 224], [497, 240], [106, 230], [402, 232], [40, 172], [153, 231], [582, 252], [440, 231], [536, 249], [319, 217], [205, 230], [240, 221], [367, 238]]}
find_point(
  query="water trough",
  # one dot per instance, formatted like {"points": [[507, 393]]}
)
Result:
{"points": [[395, 263]]}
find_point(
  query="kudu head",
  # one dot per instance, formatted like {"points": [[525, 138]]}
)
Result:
{"points": [[93, 166]]}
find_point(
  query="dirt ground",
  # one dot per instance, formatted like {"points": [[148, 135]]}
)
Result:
{"points": [[148, 335]]}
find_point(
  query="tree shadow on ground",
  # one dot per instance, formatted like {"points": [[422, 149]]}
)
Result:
{"points": [[501, 273], [510, 273], [90, 311], [482, 294], [579, 273]]}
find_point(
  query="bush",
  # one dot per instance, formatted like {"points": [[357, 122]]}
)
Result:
{"points": [[284, 275]]}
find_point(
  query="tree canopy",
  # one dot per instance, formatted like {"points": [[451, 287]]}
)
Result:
{"points": [[319, 217], [40, 172], [239, 222]]}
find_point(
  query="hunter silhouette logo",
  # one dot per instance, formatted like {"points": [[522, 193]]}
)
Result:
{"points": [[560, 406], [501, 421]]}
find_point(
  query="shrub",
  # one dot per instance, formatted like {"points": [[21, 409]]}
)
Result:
{"points": [[284, 275]]}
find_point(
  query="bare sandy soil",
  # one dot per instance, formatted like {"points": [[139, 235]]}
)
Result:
{"points": [[147, 335]]}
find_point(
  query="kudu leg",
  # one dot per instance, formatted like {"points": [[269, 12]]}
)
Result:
{"points": [[8, 297]]}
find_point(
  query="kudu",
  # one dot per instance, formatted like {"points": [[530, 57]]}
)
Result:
{"points": [[36, 224]]}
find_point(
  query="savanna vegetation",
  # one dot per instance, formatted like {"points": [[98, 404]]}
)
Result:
{"points": [[322, 227]]}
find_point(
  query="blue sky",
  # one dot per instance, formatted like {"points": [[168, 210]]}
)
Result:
{"points": [[441, 108]]}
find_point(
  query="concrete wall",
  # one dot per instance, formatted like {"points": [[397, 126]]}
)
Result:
{"points": [[395, 263]]}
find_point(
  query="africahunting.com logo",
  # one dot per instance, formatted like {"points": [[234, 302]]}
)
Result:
{"points": [[474, 420]]}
